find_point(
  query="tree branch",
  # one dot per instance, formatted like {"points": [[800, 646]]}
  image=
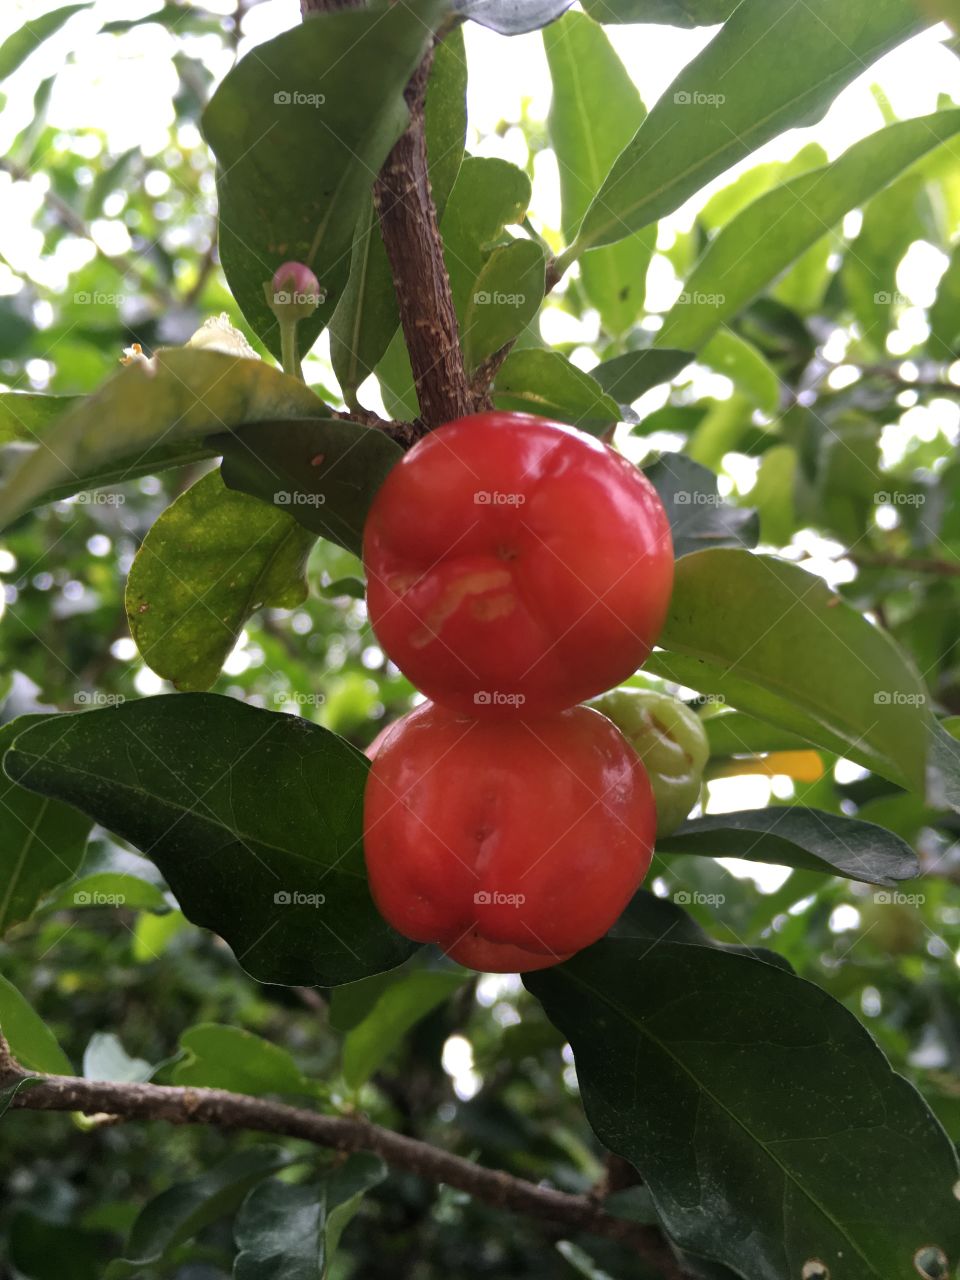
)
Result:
{"points": [[225, 1110], [909, 564], [408, 223]]}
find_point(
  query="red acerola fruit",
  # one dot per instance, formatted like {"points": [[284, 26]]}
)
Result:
{"points": [[514, 563], [512, 844]]}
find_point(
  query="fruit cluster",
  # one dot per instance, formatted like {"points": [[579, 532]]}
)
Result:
{"points": [[515, 568]]}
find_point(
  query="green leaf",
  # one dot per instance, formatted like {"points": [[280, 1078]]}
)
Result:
{"points": [[759, 243], [41, 842], [153, 934], [736, 734], [289, 1232], [742, 363], [749, 84], [322, 471], [775, 641], [28, 38], [631, 375], [366, 317], [144, 419], [678, 13], [330, 89], [179, 1213], [212, 560], [401, 1006], [944, 315], [698, 516], [774, 494], [545, 382], [730, 1082], [224, 1057], [511, 17], [799, 837], [506, 296], [31, 1041], [25, 416], [596, 110], [106, 1059], [254, 819], [109, 889]]}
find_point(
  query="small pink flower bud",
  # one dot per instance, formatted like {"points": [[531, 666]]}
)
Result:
{"points": [[294, 292]]}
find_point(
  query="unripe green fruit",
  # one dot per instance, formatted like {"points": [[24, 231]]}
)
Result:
{"points": [[670, 740]]}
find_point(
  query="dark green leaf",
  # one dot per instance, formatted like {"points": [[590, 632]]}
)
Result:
{"points": [[211, 561], [45, 1250], [751, 83], [366, 317], [41, 842], [323, 471], [630, 376], [755, 247], [254, 819], [19, 46], [144, 419], [31, 1041], [179, 1213], [698, 516], [401, 1005], [331, 89], [223, 1057], [777, 642], [799, 837], [546, 383], [728, 1081]]}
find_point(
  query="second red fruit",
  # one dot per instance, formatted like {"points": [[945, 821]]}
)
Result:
{"points": [[514, 563]]}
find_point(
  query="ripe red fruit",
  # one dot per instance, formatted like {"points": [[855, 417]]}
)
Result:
{"points": [[510, 843], [516, 563]]}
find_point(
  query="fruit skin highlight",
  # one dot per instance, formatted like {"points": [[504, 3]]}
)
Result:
{"points": [[512, 844], [515, 564], [670, 740]]}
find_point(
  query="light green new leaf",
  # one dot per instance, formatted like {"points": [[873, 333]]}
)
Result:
{"points": [[211, 561], [751, 83], [728, 353], [225, 1057], [366, 317], [28, 38], [31, 1041], [506, 296], [596, 110], [759, 243], [678, 13], [42, 842], [775, 641], [546, 383], [109, 889], [401, 1005], [300, 128], [146, 418], [25, 417]]}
